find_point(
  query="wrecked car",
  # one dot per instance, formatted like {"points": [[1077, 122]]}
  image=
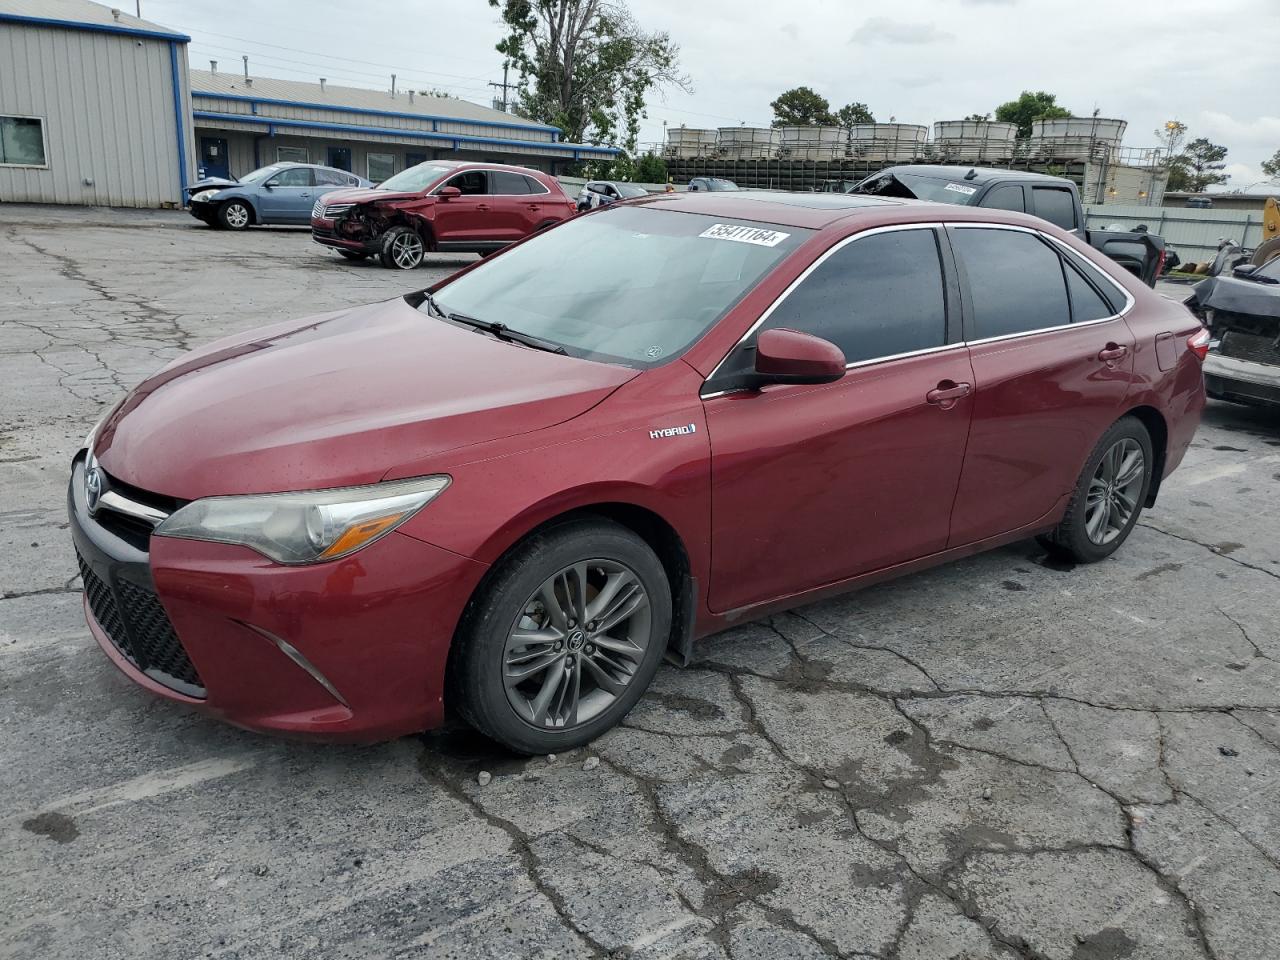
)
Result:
{"points": [[1242, 312], [1055, 199], [440, 205]]}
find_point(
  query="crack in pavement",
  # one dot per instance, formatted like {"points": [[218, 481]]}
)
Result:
{"points": [[1212, 548]]}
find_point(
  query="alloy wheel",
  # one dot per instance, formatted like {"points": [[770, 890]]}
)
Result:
{"points": [[577, 644], [406, 250], [237, 216], [1114, 489]]}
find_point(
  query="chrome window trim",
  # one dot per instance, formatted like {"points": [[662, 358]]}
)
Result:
{"points": [[1066, 249]]}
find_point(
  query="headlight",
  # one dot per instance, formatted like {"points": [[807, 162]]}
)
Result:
{"points": [[332, 211], [305, 527], [202, 196]]}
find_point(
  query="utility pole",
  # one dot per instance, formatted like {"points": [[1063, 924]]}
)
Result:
{"points": [[506, 65]]}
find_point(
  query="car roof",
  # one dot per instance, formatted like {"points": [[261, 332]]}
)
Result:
{"points": [[485, 165], [844, 211], [962, 173]]}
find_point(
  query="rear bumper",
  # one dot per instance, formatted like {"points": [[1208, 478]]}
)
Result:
{"points": [[1230, 378], [351, 650]]}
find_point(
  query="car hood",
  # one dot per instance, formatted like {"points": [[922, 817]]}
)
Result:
{"points": [[211, 183], [368, 195], [336, 400]]}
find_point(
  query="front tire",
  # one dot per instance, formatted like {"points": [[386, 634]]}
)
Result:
{"points": [[564, 638], [402, 248], [1108, 497], [235, 215]]}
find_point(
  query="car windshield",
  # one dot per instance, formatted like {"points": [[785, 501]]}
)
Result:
{"points": [[1269, 270], [629, 284], [911, 185], [415, 178], [262, 173]]}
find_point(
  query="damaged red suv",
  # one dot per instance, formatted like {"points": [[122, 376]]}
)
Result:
{"points": [[513, 493], [440, 205]]}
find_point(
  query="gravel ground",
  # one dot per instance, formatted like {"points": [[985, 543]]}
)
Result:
{"points": [[1003, 757]]}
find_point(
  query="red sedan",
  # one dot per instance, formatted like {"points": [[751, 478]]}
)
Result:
{"points": [[440, 205], [516, 491]]}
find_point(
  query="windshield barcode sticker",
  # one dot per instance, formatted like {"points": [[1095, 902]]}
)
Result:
{"points": [[731, 231], [961, 188]]}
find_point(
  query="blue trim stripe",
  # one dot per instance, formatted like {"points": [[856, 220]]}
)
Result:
{"points": [[178, 116], [367, 111], [357, 132], [94, 27]]}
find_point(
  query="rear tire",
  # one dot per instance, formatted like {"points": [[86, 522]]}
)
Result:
{"points": [[402, 248], [563, 638], [1109, 495]]}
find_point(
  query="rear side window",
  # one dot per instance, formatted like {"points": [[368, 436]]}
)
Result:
{"points": [[504, 183], [1055, 205], [533, 186], [1086, 303], [1005, 197], [878, 296], [1016, 284], [332, 178]]}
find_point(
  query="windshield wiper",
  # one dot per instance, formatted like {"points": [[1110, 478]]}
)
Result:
{"points": [[499, 330]]}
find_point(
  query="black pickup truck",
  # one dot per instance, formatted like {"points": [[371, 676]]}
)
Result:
{"points": [[1051, 198]]}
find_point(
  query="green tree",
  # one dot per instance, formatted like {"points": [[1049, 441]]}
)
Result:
{"points": [[853, 113], [586, 66], [650, 168], [1272, 167], [801, 107], [1030, 107], [1198, 167]]}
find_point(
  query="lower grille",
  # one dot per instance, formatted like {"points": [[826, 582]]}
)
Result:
{"points": [[135, 622], [1260, 348]]}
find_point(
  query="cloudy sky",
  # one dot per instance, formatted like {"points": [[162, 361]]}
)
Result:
{"points": [[1209, 63]]}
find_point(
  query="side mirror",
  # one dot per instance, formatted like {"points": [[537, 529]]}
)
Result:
{"points": [[789, 356], [1244, 270], [448, 193], [269, 185]]}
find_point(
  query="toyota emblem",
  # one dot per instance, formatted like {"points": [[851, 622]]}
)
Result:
{"points": [[93, 489]]}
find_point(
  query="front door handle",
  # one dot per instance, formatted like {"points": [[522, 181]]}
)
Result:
{"points": [[946, 393], [482, 207], [535, 206], [1113, 351]]}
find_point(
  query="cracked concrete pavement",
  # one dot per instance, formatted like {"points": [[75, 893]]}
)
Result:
{"points": [[999, 758]]}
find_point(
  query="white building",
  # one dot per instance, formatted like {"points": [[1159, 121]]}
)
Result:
{"points": [[95, 106]]}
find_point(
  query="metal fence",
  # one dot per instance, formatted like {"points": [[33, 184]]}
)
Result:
{"points": [[1194, 232]]}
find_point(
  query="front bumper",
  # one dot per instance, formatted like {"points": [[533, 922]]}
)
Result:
{"points": [[354, 649], [322, 232], [1230, 378], [203, 210]]}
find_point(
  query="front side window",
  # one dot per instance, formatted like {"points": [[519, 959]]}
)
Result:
{"points": [[1056, 205], [640, 287], [292, 154], [1016, 284], [380, 166], [878, 296], [22, 142], [293, 177], [1007, 196], [472, 182]]}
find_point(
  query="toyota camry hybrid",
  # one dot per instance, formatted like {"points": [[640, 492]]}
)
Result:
{"points": [[513, 493]]}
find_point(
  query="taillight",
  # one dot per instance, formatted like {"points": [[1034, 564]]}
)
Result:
{"points": [[1160, 264], [1198, 343]]}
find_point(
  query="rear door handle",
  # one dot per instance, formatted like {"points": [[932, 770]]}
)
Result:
{"points": [[946, 393], [1113, 351], [535, 206], [482, 207]]}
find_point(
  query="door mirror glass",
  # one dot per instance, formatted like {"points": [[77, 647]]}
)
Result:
{"points": [[448, 193], [789, 356]]}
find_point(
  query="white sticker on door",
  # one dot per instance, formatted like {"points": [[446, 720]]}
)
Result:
{"points": [[739, 234]]}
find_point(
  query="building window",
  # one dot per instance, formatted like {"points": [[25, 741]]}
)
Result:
{"points": [[22, 142], [291, 155], [381, 166]]}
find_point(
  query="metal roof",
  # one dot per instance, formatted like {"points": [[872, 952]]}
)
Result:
{"points": [[83, 15], [299, 92]]}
